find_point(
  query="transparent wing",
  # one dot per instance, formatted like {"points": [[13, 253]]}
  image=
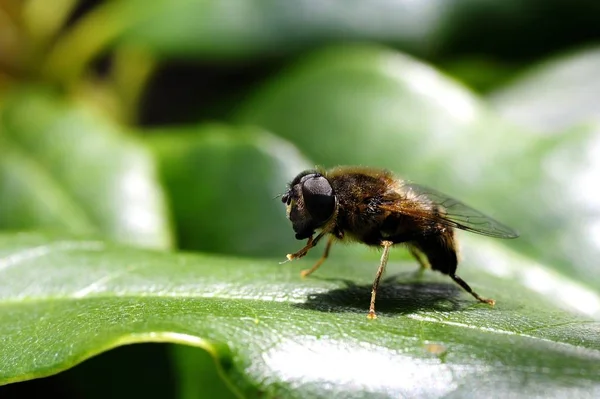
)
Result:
{"points": [[450, 212]]}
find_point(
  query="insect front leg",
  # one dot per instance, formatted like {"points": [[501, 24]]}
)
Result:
{"points": [[384, 259], [307, 272], [309, 244]]}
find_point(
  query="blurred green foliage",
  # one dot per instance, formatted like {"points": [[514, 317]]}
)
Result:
{"points": [[173, 125]]}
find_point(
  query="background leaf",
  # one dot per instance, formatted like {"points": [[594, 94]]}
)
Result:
{"points": [[97, 295], [253, 28], [64, 167], [371, 106], [431, 29], [536, 99], [223, 182]]}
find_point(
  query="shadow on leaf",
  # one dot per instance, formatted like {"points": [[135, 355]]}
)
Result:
{"points": [[393, 297]]}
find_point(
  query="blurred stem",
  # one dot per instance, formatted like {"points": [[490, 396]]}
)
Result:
{"points": [[74, 50], [6, 81], [132, 68], [11, 40], [118, 95], [42, 19]]}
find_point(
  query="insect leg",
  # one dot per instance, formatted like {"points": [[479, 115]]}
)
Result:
{"points": [[310, 244], [466, 287], [418, 255], [384, 259], [308, 272]]}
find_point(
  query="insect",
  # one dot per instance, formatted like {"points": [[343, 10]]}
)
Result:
{"points": [[373, 207]]}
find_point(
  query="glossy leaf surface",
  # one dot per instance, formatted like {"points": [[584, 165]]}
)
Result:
{"points": [[66, 299]]}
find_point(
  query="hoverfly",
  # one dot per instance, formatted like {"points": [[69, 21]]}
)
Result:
{"points": [[373, 207]]}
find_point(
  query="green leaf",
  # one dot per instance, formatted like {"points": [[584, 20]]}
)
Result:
{"points": [[64, 300], [223, 182], [250, 28], [372, 105], [429, 28], [369, 105], [234, 29], [555, 94], [480, 74], [64, 167]]}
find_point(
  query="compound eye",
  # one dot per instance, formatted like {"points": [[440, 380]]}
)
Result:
{"points": [[318, 197], [285, 198]]}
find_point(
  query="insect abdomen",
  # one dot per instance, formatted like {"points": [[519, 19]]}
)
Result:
{"points": [[440, 250]]}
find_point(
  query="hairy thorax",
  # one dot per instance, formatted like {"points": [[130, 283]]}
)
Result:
{"points": [[361, 216]]}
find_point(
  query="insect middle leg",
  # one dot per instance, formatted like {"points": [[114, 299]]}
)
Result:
{"points": [[418, 255], [307, 272], [384, 259]]}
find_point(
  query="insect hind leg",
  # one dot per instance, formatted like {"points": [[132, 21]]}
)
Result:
{"points": [[442, 256], [467, 288]]}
